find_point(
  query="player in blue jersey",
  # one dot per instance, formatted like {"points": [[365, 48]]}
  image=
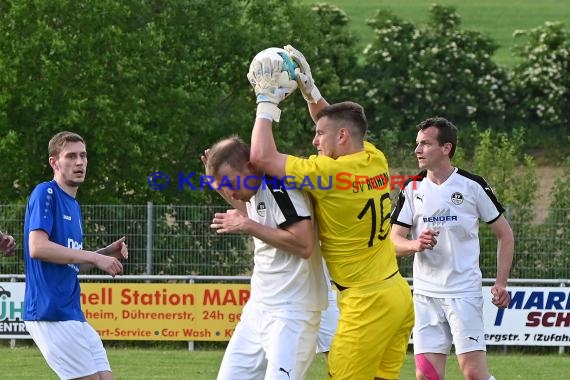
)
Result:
{"points": [[54, 255]]}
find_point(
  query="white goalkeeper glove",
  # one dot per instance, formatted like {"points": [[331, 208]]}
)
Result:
{"points": [[271, 84], [304, 77]]}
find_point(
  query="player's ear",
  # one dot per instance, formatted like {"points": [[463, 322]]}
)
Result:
{"points": [[343, 135], [447, 148], [53, 163]]}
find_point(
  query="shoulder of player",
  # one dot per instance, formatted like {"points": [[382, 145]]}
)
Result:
{"points": [[412, 182], [276, 188], [302, 167], [474, 178], [43, 189]]}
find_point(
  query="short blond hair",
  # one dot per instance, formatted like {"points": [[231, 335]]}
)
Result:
{"points": [[232, 151], [59, 140]]}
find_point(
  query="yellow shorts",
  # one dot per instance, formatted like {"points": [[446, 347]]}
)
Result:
{"points": [[373, 331]]}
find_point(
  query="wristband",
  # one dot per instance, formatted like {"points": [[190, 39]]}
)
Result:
{"points": [[269, 111]]}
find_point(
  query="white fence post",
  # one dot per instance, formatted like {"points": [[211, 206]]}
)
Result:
{"points": [[191, 342], [149, 233], [561, 348]]}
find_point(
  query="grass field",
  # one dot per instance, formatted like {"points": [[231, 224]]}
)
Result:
{"points": [[131, 364], [496, 19]]}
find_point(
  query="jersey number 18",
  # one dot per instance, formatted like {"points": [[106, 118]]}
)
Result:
{"points": [[384, 209]]}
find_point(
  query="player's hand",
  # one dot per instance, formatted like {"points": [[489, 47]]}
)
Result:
{"points": [[304, 76], [204, 157], [267, 78], [270, 83], [427, 240], [501, 297], [7, 244], [109, 264], [229, 221], [263, 76], [117, 249]]}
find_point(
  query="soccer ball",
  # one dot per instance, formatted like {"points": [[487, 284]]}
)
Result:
{"points": [[274, 54]]}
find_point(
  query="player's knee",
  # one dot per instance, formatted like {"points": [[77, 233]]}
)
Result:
{"points": [[474, 373], [424, 369]]}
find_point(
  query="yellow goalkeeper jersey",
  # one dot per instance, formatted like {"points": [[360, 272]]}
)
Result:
{"points": [[351, 196]]}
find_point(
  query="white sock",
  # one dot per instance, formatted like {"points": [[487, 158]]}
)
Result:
{"points": [[492, 378]]}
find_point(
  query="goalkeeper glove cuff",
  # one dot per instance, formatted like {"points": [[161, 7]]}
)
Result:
{"points": [[266, 110]]}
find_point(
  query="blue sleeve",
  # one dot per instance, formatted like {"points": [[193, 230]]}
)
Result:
{"points": [[41, 209]]}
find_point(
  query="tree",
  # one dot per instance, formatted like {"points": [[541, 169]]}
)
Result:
{"points": [[149, 85], [411, 73], [129, 76], [542, 83]]}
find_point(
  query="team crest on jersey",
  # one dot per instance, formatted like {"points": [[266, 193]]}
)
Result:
{"points": [[457, 198], [261, 209]]}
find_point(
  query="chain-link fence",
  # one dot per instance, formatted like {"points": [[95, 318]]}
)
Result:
{"points": [[177, 240], [162, 240]]}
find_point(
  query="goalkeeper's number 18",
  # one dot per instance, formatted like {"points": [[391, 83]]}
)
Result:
{"points": [[384, 209]]}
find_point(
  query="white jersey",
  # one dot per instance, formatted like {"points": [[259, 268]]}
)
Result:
{"points": [[453, 208], [279, 278]]}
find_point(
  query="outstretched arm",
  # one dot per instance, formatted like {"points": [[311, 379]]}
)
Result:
{"points": [[314, 108], [505, 253], [264, 154], [306, 83]]}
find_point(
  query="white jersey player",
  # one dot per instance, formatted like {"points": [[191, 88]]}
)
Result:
{"points": [[276, 337], [442, 208]]}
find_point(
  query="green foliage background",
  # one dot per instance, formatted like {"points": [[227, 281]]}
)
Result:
{"points": [[150, 84]]}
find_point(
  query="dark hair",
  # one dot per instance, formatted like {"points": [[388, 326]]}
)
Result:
{"points": [[231, 150], [447, 132], [57, 142], [349, 115]]}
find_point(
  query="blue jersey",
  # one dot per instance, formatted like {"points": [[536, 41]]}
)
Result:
{"points": [[52, 290]]}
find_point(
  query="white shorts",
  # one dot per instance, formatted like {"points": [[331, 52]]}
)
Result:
{"points": [[72, 349], [441, 322], [329, 322], [271, 345]]}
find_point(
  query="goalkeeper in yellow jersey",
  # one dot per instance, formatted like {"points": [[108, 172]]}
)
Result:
{"points": [[348, 182]]}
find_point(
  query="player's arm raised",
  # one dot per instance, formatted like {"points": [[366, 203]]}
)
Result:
{"points": [[271, 82], [264, 154], [264, 75], [306, 83]]}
